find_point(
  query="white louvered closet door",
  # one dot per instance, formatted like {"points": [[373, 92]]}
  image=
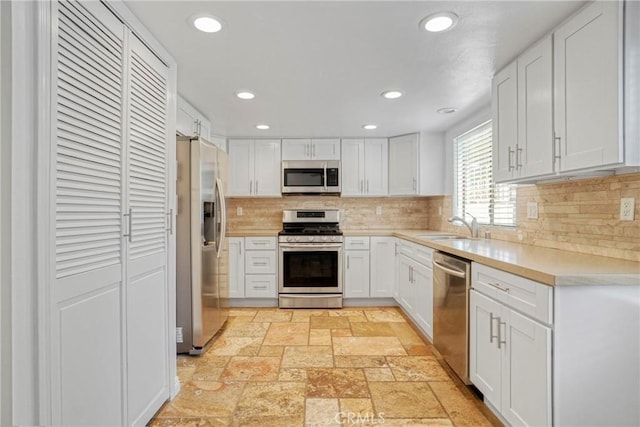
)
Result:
{"points": [[87, 193], [146, 284]]}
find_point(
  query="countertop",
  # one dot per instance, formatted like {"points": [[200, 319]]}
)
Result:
{"points": [[549, 266], [552, 267]]}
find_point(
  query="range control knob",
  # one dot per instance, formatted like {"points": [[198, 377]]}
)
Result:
{"points": [[297, 238], [289, 238], [325, 238], [310, 238]]}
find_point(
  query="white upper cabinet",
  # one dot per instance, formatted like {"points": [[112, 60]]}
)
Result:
{"points": [[403, 165], [588, 91], [504, 88], [570, 103], [522, 116], [311, 149], [254, 167], [190, 122], [365, 167], [534, 154]]}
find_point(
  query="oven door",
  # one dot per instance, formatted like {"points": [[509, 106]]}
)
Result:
{"points": [[310, 268]]}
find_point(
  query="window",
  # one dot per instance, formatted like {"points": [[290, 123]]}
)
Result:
{"points": [[475, 191]]}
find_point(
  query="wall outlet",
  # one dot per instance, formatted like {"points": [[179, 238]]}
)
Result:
{"points": [[532, 210], [627, 208], [239, 211], [379, 210]]}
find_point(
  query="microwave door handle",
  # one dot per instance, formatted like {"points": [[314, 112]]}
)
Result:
{"points": [[324, 165]]}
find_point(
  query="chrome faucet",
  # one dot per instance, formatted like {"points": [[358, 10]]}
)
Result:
{"points": [[473, 227]]}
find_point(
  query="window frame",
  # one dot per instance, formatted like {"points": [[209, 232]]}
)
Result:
{"points": [[508, 202]]}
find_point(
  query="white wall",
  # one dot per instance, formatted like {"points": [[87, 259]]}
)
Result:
{"points": [[461, 127], [5, 226], [431, 165]]}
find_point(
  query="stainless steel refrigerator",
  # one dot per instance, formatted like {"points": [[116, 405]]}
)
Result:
{"points": [[202, 276]]}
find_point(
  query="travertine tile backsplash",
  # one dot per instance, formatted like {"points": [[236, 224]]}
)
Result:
{"points": [[579, 216], [357, 213]]}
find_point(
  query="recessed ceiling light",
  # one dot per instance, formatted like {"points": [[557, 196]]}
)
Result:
{"points": [[207, 24], [369, 127], [262, 127], [391, 94], [439, 22], [446, 110], [244, 94]]}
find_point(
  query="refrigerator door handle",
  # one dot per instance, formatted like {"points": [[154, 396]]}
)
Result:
{"points": [[223, 213]]}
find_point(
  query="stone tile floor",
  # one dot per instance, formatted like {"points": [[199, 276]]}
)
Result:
{"points": [[352, 366]]}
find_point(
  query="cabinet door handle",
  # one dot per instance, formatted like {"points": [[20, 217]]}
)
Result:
{"points": [[491, 319], [557, 153], [256, 187], [170, 218], [510, 164], [129, 232], [314, 150], [348, 261], [260, 287], [500, 288], [240, 249], [250, 188], [500, 340], [518, 157], [361, 186], [307, 150], [367, 186], [410, 274], [261, 264], [415, 184]]}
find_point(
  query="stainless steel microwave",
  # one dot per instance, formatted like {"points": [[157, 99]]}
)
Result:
{"points": [[311, 177]]}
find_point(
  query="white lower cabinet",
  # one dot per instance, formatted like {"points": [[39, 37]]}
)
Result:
{"points": [[356, 274], [236, 267], [369, 267], [414, 276], [510, 353], [356, 267], [382, 269], [253, 267]]}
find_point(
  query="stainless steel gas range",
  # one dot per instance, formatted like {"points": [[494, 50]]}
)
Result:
{"points": [[310, 259]]}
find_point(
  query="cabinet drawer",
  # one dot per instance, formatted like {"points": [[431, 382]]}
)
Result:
{"points": [[260, 262], [419, 253], [260, 286], [406, 248], [260, 243], [356, 243], [524, 295], [424, 255]]}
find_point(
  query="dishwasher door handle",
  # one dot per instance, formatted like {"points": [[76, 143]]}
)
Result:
{"points": [[455, 273]]}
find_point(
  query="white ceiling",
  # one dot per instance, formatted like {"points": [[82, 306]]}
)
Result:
{"points": [[318, 68]]}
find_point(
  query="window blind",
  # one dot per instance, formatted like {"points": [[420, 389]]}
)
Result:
{"points": [[475, 191]]}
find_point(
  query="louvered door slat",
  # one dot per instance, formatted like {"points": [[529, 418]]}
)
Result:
{"points": [[89, 147], [69, 134], [77, 14], [147, 158]]}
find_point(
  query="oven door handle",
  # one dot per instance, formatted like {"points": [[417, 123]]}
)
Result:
{"points": [[310, 246]]}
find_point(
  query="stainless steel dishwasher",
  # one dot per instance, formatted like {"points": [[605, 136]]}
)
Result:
{"points": [[451, 285]]}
